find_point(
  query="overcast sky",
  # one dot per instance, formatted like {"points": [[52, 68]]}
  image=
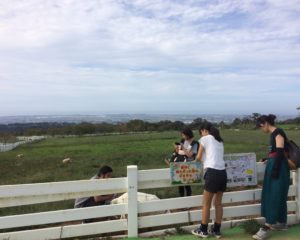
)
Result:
{"points": [[149, 56]]}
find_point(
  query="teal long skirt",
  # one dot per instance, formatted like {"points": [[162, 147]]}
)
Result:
{"points": [[275, 193]]}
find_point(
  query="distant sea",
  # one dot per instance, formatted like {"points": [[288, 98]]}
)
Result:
{"points": [[117, 118]]}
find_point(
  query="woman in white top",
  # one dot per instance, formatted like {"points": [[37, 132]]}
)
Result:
{"points": [[211, 153]]}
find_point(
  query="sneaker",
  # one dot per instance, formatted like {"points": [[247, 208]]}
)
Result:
{"points": [[216, 234], [261, 234], [198, 232], [279, 227]]}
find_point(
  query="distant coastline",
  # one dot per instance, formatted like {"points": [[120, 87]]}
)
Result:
{"points": [[120, 118]]}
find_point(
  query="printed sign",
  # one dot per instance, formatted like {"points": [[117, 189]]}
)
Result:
{"points": [[241, 169], [186, 172]]}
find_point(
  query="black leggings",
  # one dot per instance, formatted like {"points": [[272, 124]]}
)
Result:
{"points": [[185, 191]]}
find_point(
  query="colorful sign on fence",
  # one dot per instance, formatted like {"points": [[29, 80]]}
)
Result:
{"points": [[186, 172], [241, 169]]}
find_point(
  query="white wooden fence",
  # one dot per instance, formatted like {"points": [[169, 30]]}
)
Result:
{"points": [[240, 204], [5, 147]]}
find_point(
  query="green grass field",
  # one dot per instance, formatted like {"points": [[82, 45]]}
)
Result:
{"points": [[42, 161]]}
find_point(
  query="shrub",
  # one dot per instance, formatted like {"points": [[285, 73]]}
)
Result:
{"points": [[250, 226]]}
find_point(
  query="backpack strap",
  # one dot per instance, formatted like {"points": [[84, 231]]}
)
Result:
{"points": [[194, 142]]}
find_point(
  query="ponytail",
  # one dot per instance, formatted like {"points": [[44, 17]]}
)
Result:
{"points": [[216, 133], [212, 131]]}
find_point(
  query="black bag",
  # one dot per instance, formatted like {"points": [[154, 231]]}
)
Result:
{"points": [[294, 153], [177, 158], [183, 158]]}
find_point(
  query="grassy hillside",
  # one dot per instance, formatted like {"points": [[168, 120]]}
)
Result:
{"points": [[42, 161]]}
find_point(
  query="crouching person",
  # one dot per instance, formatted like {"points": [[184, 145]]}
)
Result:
{"points": [[211, 153], [103, 173]]}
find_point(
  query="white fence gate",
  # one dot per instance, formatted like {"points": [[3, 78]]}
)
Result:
{"points": [[242, 205]]}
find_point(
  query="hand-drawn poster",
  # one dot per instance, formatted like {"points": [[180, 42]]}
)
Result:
{"points": [[241, 169], [186, 172]]}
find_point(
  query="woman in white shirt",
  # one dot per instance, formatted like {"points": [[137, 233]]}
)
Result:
{"points": [[211, 153]]}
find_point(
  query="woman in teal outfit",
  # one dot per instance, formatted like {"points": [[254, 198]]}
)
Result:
{"points": [[276, 179]]}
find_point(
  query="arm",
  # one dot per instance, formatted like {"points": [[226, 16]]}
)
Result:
{"points": [[192, 152], [188, 153], [280, 155], [200, 153]]}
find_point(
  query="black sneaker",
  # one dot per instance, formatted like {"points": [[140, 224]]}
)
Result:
{"points": [[198, 232], [217, 234]]}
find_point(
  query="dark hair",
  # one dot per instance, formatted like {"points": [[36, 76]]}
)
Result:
{"points": [[188, 132], [212, 130], [104, 170], [266, 118]]}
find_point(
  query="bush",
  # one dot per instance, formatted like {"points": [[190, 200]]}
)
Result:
{"points": [[250, 226]]}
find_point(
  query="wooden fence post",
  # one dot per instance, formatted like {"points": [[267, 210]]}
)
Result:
{"points": [[132, 177], [296, 183]]}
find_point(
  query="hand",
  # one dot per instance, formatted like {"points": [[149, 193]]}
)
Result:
{"points": [[264, 160], [167, 162]]}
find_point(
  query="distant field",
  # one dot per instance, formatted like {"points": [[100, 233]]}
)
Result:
{"points": [[42, 161]]}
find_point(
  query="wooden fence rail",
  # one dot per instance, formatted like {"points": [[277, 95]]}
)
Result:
{"points": [[242, 204]]}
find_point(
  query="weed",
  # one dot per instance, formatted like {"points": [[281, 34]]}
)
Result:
{"points": [[250, 226]]}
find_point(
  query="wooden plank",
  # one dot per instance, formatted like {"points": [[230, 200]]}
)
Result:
{"points": [[292, 219], [132, 174], [94, 228], [157, 174], [61, 216], [104, 185], [68, 231], [171, 203], [160, 178], [163, 219], [156, 178], [196, 201], [16, 195], [164, 173], [155, 184], [41, 234], [193, 216], [112, 210], [296, 182]]}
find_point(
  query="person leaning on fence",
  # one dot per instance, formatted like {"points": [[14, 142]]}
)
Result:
{"points": [[276, 179], [211, 153], [103, 173]]}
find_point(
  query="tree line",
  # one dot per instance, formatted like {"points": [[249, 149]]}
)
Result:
{"points": [[136, 125]]}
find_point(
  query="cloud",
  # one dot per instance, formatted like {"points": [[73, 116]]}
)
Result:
{"points": [[148, 54]]}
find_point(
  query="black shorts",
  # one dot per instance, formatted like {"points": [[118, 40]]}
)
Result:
{"points": [[215, 180]]}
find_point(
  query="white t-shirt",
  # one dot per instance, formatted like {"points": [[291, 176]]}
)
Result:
{"points": [[213, 154], [194, 149]]}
